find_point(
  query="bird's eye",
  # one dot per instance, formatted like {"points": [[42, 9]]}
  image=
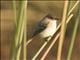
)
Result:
{"points": [[56, 18]]}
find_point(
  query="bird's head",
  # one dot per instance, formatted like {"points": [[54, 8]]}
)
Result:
{"points": [[50, 17]]}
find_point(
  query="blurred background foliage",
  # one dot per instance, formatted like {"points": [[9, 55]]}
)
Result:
{"points": [[36, 10]]}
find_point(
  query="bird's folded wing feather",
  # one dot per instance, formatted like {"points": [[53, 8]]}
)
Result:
{"points": [[40, 27]]}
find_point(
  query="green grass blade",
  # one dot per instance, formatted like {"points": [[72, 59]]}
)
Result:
{"points": [[22, 29], [19, 32], [74, 35], [14, 11]]}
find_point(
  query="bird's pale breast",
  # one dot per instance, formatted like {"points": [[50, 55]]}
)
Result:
{"points": [[50, 30]]}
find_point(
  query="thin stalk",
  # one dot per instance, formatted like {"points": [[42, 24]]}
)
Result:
{"points": [[24, 47], [19, 32], [22, 30], [74, 35], [25, 37], [42, 47], [20, 41], [73, 7], [13, 47], [21, 11], [63, 29], [14, 11], [14, 16], [19, 49], [53, 42]]}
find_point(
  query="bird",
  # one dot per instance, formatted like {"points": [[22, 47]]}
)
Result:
{"points": [[45, 28]]}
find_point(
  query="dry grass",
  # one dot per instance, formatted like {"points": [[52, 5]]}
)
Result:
{"points": [[8, 28]]}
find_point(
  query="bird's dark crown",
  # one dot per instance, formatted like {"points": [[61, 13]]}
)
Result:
{"points": [[50, 17]]}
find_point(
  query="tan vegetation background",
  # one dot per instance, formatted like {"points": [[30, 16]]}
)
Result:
{"points": [[36, 10]]}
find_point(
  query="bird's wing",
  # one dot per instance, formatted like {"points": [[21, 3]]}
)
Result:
{"points": [[40, 27]]}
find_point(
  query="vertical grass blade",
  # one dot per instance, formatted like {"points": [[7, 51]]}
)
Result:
{"points": [[13, 47], [25, 37], [14, 10], [74, 34], [19, 31], [62, 32], [22, 29]]}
